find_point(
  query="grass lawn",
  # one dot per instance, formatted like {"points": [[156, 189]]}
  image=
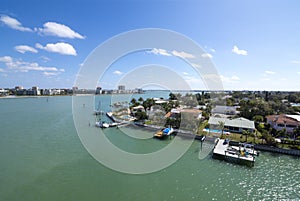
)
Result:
{"points": [[241, 138]]}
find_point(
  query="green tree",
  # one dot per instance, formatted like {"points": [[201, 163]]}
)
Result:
{"points": [[268, 138], [281, 133], [221, 126], [141, 99], [296, 132], [133, 101], [141, 115], [246, 133], [148, 103], [172, 96], [258, 118]]}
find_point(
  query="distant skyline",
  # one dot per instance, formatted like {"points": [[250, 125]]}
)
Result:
{"points": [[255, 45]]}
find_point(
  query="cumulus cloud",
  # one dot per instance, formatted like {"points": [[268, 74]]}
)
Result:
{"points": [[269, 72], [23, 66], [59, 30], [117, 72], [160, 52], [13, 23], [24, 48], [2, 70], [6, 59], [236, 50], [61, 48], [206, 55]]}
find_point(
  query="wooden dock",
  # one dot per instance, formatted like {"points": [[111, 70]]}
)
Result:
{"points": [[241, 155]]}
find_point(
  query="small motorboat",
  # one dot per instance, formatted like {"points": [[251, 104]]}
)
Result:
{"points": [[101, 124]]}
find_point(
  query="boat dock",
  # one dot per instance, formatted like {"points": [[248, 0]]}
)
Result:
{"points": [[110, 115], [239, 154]]}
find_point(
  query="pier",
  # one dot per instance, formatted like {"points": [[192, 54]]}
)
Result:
{"points": [[242, 155]]}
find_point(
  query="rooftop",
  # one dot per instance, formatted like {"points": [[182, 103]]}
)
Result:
{"points": [[284, 118], [238, 122]]}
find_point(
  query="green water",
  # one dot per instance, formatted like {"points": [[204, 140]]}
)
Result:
{"points": [[42, 158]]}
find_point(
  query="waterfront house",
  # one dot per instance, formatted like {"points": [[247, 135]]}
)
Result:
{"points": [[284, 121], [196, 113], [138, 108], [236, 125]]}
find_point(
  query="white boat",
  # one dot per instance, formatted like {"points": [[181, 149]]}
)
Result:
{"points": [[168, 131], [101, 124]]}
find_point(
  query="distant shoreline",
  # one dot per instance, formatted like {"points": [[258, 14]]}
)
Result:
{"points": [[15, 97], [44, 96]]}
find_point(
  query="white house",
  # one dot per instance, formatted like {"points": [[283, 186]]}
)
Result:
{"points": [[232, 125]]}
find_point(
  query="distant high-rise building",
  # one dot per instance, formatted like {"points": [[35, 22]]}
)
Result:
{"points": [[19, 88], [98, 90], [121, 87]]}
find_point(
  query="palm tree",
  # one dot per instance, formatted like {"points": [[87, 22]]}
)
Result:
{"points": [[221, 126], [296, 132], [246, 133]]}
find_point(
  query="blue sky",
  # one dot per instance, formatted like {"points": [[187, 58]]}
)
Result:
{"points": [[255, 45]]}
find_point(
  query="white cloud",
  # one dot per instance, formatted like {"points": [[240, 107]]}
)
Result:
{"points": [[236, 50], [48, 74], [2, 70], [45, 59], [61, 48], [6, 59], [117, 72], [13, 23], [164, 52], [160, 52], [206, 55], [24, 48], [23, 66], [196, 65], [185, 73], [60, 30], [182, 54], [230, 79], [269, 72]]}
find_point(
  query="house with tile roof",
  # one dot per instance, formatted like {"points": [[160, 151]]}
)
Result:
{"points": [[284, 121]]}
